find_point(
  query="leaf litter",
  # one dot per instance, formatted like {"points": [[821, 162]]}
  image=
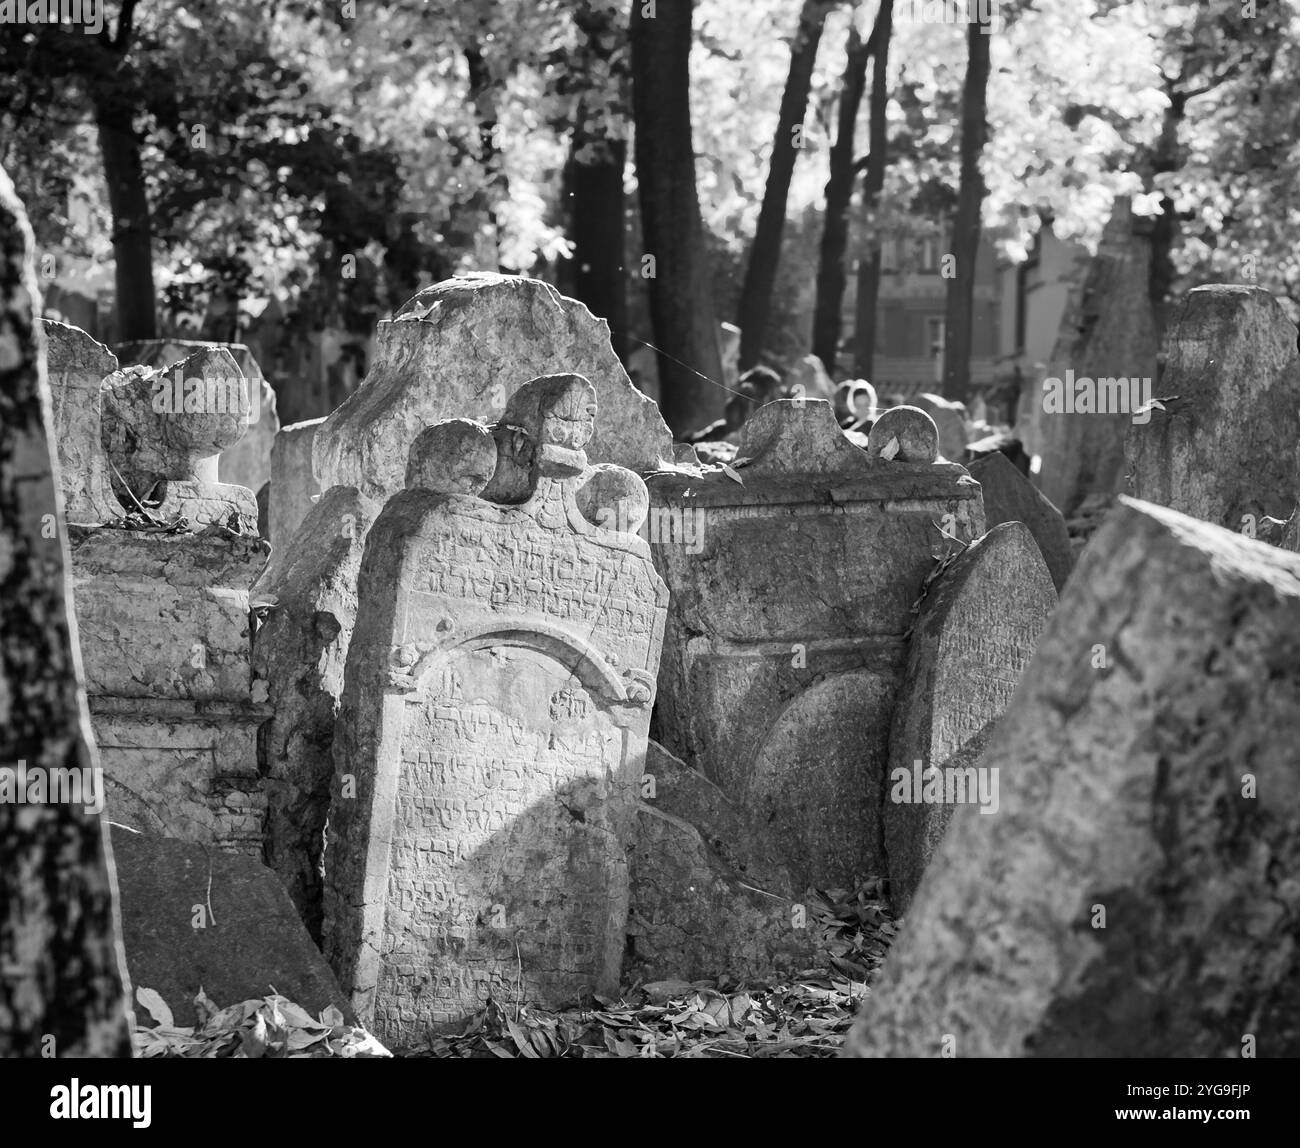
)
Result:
{"points": [[805, 1016]]}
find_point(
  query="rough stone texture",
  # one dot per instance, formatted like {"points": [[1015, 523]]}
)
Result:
{"points": [[976, 631], [493, 730], [462, 348], [1010, 497], [912, 429], [791, 596], [293, 485], [950, 420], [196, 918], [709, 894], [248, 461], [163, 437], [61, 981], [1123, 788], [1107, 331], [1225, 447], [77, 367], [300, 651], [164, 623]]}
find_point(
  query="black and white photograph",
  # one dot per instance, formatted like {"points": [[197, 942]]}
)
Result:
{"points": [[649, 529]]}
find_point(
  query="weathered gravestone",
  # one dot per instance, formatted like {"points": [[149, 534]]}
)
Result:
{"points": [[710, 894], [300, 651], [1222, 445], [460, 349], [791, 598], [293, 485], [77, 368], [976, 631], [1104, 359], [950, 419], [196, 918], [1148, 785], [1010, 497], [247, 461], [494, 725], [60, 956], [163, 607]]}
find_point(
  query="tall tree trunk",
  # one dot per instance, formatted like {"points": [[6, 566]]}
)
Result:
{"points": [[132, 225], [765, 254], [596, 228], [60, 955], [681, 300], [594, 177], [864, 328], [1164, 227], [831, 273], [966, 224], [482, 204]]}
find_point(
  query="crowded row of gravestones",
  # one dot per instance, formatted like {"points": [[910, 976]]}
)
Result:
{"points": [[526, 700]]}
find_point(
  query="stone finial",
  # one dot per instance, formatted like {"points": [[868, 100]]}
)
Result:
{"points": [[614, 498], [455, 456], [163, 431], [546, 426], [912, 429]]}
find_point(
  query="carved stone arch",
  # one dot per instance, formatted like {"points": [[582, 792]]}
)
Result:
{"points": [[587, 663]]}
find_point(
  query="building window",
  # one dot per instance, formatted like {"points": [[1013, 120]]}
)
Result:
{"points": [[930, 256]]}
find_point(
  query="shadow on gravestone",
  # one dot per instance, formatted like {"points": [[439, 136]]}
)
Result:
{"points": [[299, 651], [1222, 446], [61, 969], [710, 894], [1010, 497], [195, 918], [976, 631], [492, 732], [1135, 895]]}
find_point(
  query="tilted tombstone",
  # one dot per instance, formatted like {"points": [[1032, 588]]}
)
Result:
{"points": [[300, 651], [1136, 894], [77, 368], [950, 419], [1010, 497], [494, 726], [976, 631], [460, 349], [1104, 357], [61, 973], [792, 585], [293, 485], [1221, 444]]}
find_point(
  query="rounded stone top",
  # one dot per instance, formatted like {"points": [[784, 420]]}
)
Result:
{"points": [[856, 399], [455, 456], [556, 410], [913, 429], [613, 498]]}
